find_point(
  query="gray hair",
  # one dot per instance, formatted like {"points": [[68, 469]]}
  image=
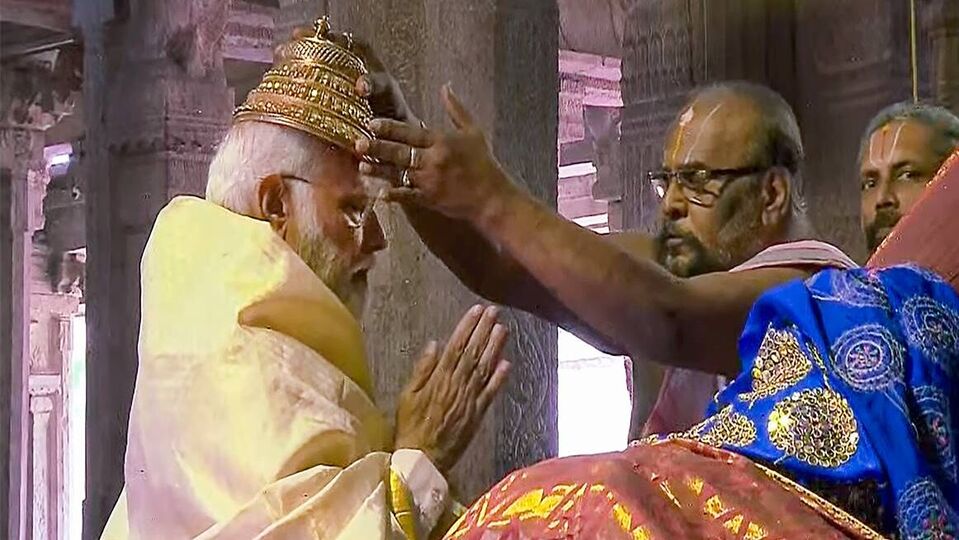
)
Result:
{"points": [[249, 152], [941, 120], [779, 143]]}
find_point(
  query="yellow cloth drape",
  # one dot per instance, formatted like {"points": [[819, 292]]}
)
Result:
{"points": [[252, 416]]}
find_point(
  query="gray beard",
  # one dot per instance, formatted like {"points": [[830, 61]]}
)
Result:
{"points": [[325, 263]]}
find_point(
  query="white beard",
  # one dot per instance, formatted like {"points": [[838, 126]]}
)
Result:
{"points": [[314, 249]]}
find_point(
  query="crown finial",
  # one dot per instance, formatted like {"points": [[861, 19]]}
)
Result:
{"points": [[312, 88], [322, 27]]}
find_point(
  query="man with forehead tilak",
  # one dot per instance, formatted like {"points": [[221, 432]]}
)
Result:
{"points": [[901, 150], [732, 220]]}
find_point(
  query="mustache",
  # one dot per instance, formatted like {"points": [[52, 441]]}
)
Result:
{"points": [[670, 229], [885, 219]]}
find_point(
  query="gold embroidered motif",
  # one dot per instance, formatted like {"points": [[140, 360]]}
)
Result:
{"points": [[724, 428], [780, 363], [816, 426], [734, 524], [533, 505], [649, 439], [714, 507], [622, 517], [695, 484], [640, 533], [754, 531]]}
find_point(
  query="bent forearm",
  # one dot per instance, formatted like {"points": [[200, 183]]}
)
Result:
{"points": [[495, 275], [633, 300], [467, 254]]}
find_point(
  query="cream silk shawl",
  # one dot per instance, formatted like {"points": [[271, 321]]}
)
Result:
{"points": [[251, 416]]}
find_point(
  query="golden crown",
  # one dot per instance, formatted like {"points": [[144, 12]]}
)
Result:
{"points": [[311, 87]]}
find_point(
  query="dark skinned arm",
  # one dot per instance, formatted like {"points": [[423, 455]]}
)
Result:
{"points": [[499, 278], [692, 323]]}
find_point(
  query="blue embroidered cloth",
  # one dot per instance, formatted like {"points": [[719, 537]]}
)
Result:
{"points": [[851, 376]]}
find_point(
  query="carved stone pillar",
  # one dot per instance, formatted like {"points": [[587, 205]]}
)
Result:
{"points": [[31, 100], [40, 408], [22, 159], [501, 56], [671, 47], [942, 20], [51, 316], [840, 92], [45, 392], [658, 70], [158, 103]]}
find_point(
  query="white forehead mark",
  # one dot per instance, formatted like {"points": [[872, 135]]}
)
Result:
{"points": [[684, 120], [895, 139], [702, 128], [874, 155]]}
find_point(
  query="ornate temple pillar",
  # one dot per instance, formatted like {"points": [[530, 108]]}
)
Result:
{"points": [[51, 318], [852, 60], [23, 173], [660, 66], [942, 21], [46, 407], [157, 103], [31, 101], [669, 48], [501, 56]]}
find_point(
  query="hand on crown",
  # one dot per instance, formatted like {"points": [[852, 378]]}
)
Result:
{"points": [[450, 171]]}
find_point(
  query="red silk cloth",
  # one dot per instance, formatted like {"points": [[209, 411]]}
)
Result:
{"points": [[672, 490]]}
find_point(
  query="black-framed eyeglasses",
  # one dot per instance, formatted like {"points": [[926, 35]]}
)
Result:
{"points": [[693, 182], [355, 217]]}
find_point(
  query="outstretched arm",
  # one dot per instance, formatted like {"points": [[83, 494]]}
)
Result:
{"points": [[497, 276]]}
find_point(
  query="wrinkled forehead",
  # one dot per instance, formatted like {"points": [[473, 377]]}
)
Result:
{"points": [[897, 142], [715, 133]]}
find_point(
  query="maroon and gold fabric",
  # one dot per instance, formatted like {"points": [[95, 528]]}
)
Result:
{"points": [[671, 490]]}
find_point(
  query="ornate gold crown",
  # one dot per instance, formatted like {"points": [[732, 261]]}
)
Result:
{"points": [[311, 87]]}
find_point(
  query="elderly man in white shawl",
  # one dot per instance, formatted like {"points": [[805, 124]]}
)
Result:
{"points": [[252, 416]]}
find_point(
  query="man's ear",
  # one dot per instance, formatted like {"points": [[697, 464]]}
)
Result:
{"points": [[776, 195], [273, 201]]}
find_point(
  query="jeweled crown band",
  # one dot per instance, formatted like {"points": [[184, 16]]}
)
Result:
{"points": [[311, 87]]}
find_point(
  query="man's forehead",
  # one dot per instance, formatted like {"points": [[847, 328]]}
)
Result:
{"points": [[716, 133], [899, 141], [329, 166]]}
